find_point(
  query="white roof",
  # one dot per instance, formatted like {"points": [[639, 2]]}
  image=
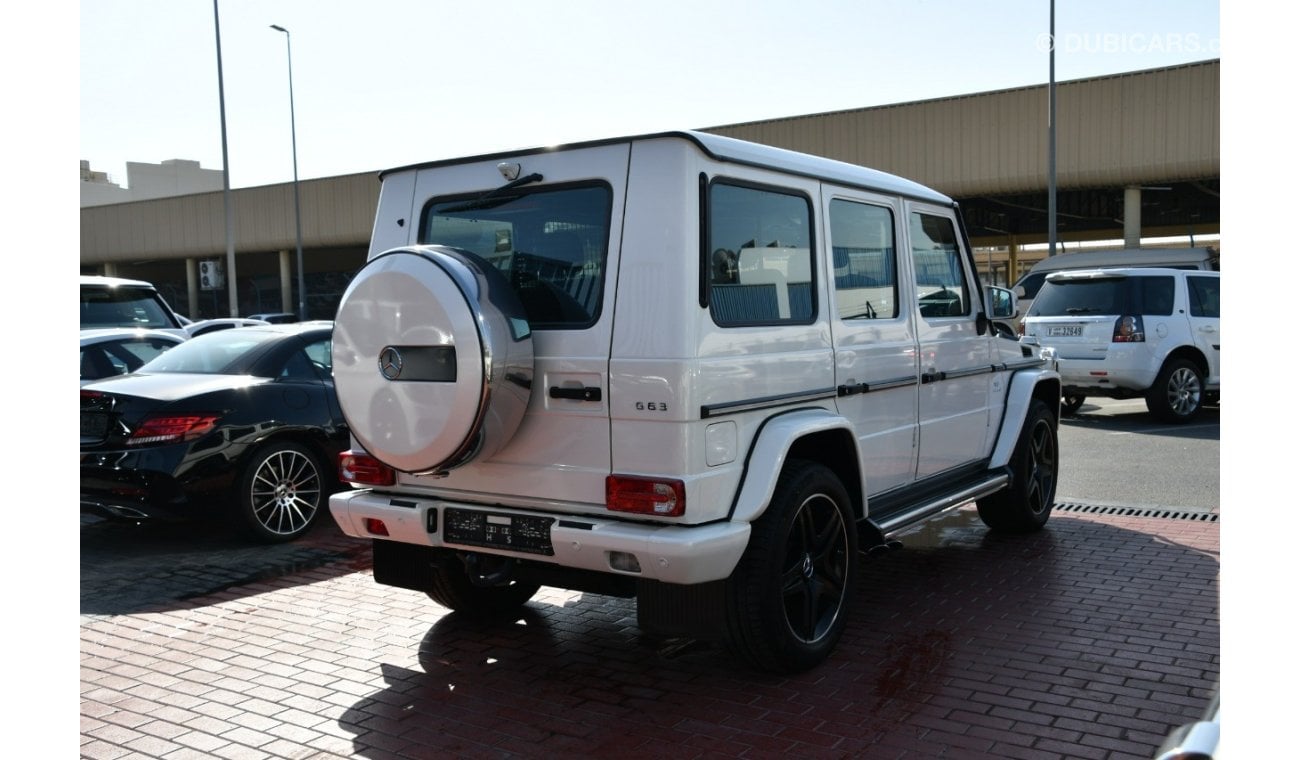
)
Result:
{"points": [[794, 162], [96, 279], [736, 151]]}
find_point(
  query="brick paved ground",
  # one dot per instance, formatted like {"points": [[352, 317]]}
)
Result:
{"points": [[1089, 640]]}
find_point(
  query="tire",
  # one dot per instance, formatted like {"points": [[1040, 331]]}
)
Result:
{"points": [[1070, 404], [1178, 393], [282, 490], [788, 596], [453, 589], [1025, 505]]}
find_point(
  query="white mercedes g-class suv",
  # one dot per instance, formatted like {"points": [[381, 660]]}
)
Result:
{"points": [[700, 372]]}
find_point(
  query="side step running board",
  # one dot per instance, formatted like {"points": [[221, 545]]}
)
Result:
{"points": [[896, 522]]}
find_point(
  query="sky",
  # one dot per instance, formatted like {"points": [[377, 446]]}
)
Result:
{"points": [[393, 82]]}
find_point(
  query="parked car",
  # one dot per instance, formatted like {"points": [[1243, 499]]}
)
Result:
{"points": [[113, 351], [119, 302], [1027, 287], [1128, 333], [701, 372], [221, 323], [276, 317], [242, 424]]}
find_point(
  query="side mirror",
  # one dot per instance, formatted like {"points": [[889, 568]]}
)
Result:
{"points": [[1020, 291], [1000, 303]]}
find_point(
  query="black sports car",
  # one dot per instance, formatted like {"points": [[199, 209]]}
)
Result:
{"points": [[237, 423]]}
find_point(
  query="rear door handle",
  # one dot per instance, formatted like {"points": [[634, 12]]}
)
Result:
{"points": [[576, 394]]}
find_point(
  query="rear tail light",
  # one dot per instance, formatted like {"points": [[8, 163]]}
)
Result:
{"points": [[360, 468], [173, 428], [1128, 330], [645, 496]]}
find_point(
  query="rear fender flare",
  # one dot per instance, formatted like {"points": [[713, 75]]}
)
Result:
{"points": [[772, 447]]}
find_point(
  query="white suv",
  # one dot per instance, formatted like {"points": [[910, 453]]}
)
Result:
{"points": [[1132, 332], [119, 302], [683, 368]]}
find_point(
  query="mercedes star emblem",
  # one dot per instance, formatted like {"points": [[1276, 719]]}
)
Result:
{"points": [[390, 363]]}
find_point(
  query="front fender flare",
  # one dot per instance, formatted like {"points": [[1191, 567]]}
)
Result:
{"points": [[1020, 392]]}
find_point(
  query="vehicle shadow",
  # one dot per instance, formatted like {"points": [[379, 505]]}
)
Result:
{"points": [[130, 567], [961, 634], [1136, 419]]}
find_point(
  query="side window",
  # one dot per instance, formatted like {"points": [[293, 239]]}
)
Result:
{"points": [[299, 368], [1156, 294], [760, 260], [1033, 283], [940, 282], [862, 254], [319, 354], [1203, 294], [130, 355]]}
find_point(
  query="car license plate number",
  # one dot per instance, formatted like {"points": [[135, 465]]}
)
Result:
{"points": [[1064, 331], [93, 425], [521, 533]]}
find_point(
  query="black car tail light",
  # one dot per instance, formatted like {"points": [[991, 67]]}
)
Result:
{"points": [[1128, 330], [172, 428]]}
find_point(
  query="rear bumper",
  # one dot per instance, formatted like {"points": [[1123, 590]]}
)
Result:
{"points": [[668, 553], [162, 483], [1105, 374]]}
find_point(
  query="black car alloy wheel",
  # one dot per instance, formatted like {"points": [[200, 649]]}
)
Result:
{"points": [[281, 491]]}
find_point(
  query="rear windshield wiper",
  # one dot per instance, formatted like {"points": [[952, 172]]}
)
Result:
{"points": [[490, 199], [1082, 310]]}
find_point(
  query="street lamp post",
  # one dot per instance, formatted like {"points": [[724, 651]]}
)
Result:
{"points": [[297, 208]]}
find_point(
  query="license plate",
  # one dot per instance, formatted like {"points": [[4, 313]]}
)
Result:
{"points": [[521, 533], [93, 425], [1064, 331]]}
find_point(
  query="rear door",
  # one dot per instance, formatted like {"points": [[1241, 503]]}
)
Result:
{"points": [[557, 240], [955, 359], [876, 367], [1203, 316], [1076, 315]]}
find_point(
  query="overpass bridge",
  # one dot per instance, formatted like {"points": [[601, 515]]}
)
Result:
{"points": [[1137, 157]]}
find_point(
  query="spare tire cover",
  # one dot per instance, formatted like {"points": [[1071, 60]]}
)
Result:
{"points": [[433, 358]]}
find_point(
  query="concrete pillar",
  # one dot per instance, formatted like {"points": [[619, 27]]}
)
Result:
{"points": [[286, 282], [192, 288], [1013, 260], [1132, 216], [110, 269]]}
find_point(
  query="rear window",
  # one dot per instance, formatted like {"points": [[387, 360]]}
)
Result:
{"points": [[1153, 296], [551, 243], [227, 352], [124, 306]]}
